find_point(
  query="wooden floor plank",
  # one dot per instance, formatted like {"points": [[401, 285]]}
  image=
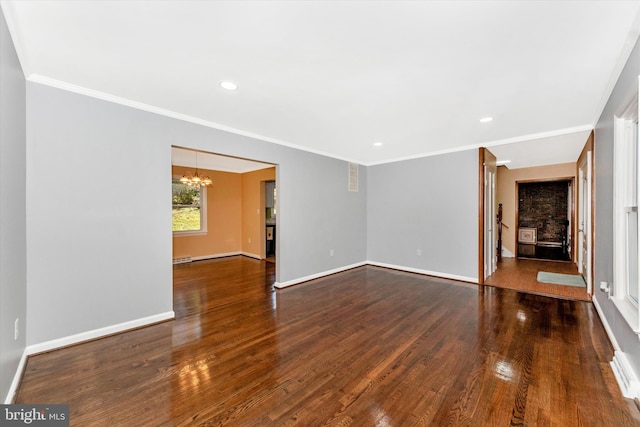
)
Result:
{"points": [[522, 275], [369, 346]]}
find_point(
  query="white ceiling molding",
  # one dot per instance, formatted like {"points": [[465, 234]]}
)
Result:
{"points": [[629, 44], [16, 36]]}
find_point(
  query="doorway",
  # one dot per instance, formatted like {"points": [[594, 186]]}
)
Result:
{"points": [[232, 206], [521, 273], [544, 219], [270, 218]]}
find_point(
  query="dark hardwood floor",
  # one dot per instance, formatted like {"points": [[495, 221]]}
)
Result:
{"points": [[522, 275], [366, 347]]}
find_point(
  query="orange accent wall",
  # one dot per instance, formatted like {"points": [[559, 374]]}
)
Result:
{"points": [[224, 219], [506, 194], [253, 215]]}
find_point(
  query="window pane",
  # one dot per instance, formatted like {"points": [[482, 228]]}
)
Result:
{"points": [[632, 255], [186, 207]]}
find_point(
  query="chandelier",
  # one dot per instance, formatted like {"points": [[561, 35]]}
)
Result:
{"points": [[195, 180]]}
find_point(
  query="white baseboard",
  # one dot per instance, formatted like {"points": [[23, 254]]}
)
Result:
{"points": [[622, 370], [626, 377], [11, 394], [224, 255], [250, 255], [427, 272], [213, 256], [506, 253], [281, 285], [605, 323], [98, 333]]}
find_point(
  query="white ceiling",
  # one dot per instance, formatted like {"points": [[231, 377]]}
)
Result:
{"points": [[214, 162], [559, 148], [335, 77]]}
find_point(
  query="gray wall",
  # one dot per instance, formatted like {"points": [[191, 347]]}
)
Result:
{"points": [[626, 85], [430, 204], [99, 217], [13, 270]]}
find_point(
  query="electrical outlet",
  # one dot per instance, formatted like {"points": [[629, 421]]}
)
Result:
{"points": [[419, 252], [16, 329], [330, 252], [249, 239], [604, 286]]}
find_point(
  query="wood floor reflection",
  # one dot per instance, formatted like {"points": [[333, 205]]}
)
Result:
{"points": [[365, 347], [522, 275]]}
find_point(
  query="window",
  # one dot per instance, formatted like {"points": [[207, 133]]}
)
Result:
{"points": [[188, 209], [625, 255]]}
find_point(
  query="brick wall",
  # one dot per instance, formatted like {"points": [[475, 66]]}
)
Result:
{"points": [[543, 205]]}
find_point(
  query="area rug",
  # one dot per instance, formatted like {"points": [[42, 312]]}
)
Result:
{"points": [[561, 279]]}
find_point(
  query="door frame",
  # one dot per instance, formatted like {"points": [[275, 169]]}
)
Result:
{"points": [[486, 160], [586, 157]]}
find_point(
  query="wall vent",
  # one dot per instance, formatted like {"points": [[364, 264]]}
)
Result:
{"points": [[182, 260], [353, 177]]}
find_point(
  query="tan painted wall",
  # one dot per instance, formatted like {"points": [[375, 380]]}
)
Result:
{"points": [[506, 194], [224, 220], [253, 202]]}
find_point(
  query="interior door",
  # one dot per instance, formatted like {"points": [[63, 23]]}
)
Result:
{"points": [[584, 220]]}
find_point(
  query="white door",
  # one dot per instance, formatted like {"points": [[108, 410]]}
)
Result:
{"points": [[584, 220]]}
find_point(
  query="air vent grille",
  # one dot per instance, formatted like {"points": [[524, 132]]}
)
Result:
{"points": [[353, 177]]}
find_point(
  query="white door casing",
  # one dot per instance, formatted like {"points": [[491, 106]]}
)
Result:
{"points": [[490, 259], [584, 220]]}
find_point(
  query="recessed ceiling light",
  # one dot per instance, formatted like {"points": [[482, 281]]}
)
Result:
{"points": [[502, 162], [228, 85], [486, 119], [377, 144]]}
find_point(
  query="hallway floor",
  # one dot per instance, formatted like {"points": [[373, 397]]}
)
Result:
{"points": [[521, 274]]}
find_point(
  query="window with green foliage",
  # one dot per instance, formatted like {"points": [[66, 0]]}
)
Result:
{"points": [[189, 208]]}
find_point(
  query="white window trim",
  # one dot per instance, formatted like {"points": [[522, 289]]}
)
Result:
{"points": [[203, 215], [627, 308]]}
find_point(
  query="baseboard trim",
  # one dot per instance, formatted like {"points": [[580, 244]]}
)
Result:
{"points": [[98, 333], [425, 272], [506, 253], [225, 255], [213, 256], [622, 371], [11, 394], [281, 285], [605, 323], [250, 255], [626, 377]]}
